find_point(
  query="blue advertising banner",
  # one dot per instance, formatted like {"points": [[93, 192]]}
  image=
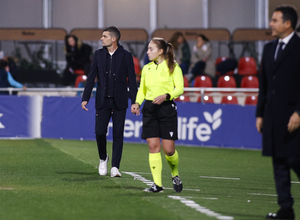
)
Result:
{"points": [[15, 116], [198, 124], [64, 118]]}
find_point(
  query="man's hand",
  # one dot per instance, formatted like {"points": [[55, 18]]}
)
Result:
{"points": [[259, 124], [135, 109], [294, 122], [83, 104]]}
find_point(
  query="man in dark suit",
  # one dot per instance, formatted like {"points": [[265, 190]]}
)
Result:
{"points": [[278, 107], [113, 66]]}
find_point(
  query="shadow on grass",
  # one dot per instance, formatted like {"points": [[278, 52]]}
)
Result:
{"points": [[92, 176], [79, 173]]}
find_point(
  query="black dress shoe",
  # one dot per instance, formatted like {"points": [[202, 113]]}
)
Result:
{"points": [[282, 214]]}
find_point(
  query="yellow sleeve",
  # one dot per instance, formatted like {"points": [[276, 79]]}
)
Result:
{"points": [[142, 90], [178, 82]]}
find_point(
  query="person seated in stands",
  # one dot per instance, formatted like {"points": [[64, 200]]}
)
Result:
{"points": [[6, 79], [201, 61], [11, 63], [182, 51], [78, 56]]}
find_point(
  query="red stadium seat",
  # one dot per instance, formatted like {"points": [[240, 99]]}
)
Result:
{"points": [[79, 72], [251, 100], [182, 98], [247, 66], [207, 99], [226, 82], [249, 82], [79, 79], [203, 81], [229, 100], [137, 68], [186, 82]]}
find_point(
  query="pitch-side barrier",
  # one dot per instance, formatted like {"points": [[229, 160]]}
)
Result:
{"points": [[56, 113]]}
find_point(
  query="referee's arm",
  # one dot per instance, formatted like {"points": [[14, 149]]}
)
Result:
{"points": [[178, 83]]}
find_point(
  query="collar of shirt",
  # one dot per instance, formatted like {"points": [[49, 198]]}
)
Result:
{"points": [[286, 39]]}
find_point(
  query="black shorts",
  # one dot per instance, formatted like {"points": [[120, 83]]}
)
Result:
{"points": [[160, 120]]}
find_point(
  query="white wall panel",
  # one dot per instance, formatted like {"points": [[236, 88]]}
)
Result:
{"points": [[179, 14], [70, 14], [127, 13], [16, 13]]}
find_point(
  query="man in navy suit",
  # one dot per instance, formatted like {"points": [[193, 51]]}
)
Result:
{"points": [[278, 107], [113, 66]]}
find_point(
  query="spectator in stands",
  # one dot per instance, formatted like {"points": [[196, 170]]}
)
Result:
{"points": [[78, 56], [164, 81], [6, 79], [182, 51], [113, 66], [278, 107], [201, 61], [11, 63]]}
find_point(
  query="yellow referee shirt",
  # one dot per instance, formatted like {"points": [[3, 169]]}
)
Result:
{"points": [[156, 80]]}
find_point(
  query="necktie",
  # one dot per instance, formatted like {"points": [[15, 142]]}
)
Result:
{"points": [[279, 51]]}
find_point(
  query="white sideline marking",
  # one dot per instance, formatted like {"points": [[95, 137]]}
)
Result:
{"points": [[215, 177], [200, 208], [261, 194], [143, 173], [294, 182], [5, 188], [192, 197], [183, 200]]}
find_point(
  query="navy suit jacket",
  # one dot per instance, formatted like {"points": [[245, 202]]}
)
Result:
{"points": [[279, 98], [122, 67]]}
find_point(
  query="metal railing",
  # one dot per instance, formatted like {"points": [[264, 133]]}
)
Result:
{"points": [[65, 91]]}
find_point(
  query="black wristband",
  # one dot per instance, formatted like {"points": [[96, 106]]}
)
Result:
{"points": [[168, 96]]}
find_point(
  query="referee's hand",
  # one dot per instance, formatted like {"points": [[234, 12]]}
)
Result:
{"points": [[135, 109], [159, 99]]}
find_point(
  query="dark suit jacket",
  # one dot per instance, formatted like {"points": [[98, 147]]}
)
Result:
{"points": [[279, 98], [122, 67]]}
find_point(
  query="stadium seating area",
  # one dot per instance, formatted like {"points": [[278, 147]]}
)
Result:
{"points": [[244, 76], [202, 89]]}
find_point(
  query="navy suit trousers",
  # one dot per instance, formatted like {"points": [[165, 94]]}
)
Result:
{"points": [[103, 117]]}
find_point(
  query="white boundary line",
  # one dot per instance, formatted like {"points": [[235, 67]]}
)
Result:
{"points": [[200, 208], [192, 197], [187, 202], [222, 178], [143, 173], [261, 194], [5, 188]]}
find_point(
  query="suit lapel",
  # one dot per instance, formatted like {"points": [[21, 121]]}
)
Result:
{"points": [[286, 51], [272, 52], [102, 60]]}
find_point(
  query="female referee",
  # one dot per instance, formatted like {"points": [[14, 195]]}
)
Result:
{"points": [[161, 82]]}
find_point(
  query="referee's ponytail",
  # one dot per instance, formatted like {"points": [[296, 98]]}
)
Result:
{"points": [[168, 52]]}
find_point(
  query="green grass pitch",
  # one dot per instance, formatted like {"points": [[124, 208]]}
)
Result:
{"points": [[58, 179]]}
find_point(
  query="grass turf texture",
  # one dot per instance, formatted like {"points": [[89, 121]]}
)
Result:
{"points": [[58, 179]]}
